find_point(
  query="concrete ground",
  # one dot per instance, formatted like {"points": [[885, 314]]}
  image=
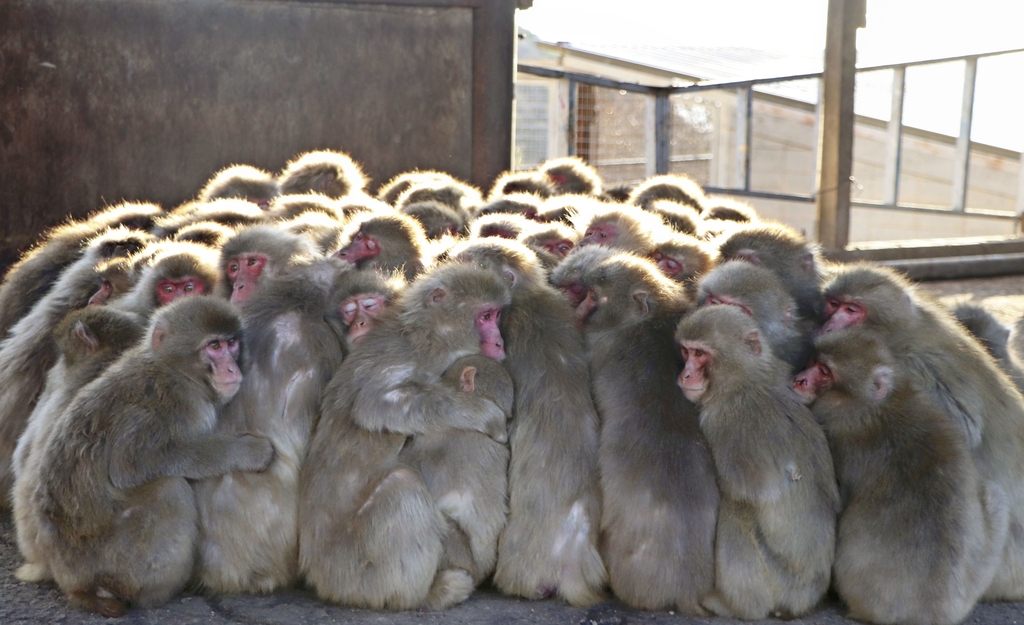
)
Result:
{"points": [[32, 604]]}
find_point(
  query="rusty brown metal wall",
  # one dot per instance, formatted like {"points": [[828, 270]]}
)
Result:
{"points": [[110, 100]]}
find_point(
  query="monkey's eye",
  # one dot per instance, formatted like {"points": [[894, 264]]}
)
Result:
{"points": [[167, 288], [233, 268], [589, 232], [672, 265], [686, 352], [189, 287], [349, 308], [824, 370], [698, 352], [603, 234], [251, 261], [232, 342], [852, 309], [214, 345], [486, 316], [564, 248], [657, 256], [831, 305], [369, 304]]}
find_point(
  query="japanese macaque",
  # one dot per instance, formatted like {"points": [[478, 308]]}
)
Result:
{"points": [[681, 218], [775, 541], [385, 241], [32, 277], [438, 220], [618, 193], [563, 208], [249, 535], [322, 231], [921, 533], [29, 351], [131, 215], [660, 500], [229, 212], [677, 188], [357, 204], [88, 340], [459, 196], [501, 225], [390, 190], [784, 251], [242, 182], [622, 227], [521, 182], [358, 299], [728, 209], [993, 336], [684, 259], [291, 206], [256, 254], [954, 370], [525, 204], [326, 172], [172, 270], [549, 547], [118, 515], [570, 174], [467, 472], [358, 503], [551, 242], [209, 233], [759, 293]]}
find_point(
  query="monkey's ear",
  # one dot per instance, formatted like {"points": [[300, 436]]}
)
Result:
{"points": [[807, 264], [787, 316], [468, 379], [436, 296], [880, 382], [641, 300], [509, 275], [91, 344], [753, 341], [748, 255], [158, 336]]}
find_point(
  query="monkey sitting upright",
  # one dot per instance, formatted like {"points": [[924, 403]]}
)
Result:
{"points": [[921, 534]]}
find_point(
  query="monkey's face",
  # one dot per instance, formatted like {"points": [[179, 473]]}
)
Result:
{"points": [[813, 381], [600, 234], [359, 313], [713, 299], [558, 247], [170, 289], [842, 313], [221, 354], [491, 343], [693, 379], [243, 272], [362, 248]]}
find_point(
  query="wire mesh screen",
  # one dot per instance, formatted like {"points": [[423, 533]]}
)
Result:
{"points": [[691, 135], [611, 132], [532, 123]]}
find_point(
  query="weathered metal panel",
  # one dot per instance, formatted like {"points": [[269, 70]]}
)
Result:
{"points": [[104, 100]]}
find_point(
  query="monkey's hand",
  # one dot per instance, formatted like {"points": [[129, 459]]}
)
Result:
{"points": [[412, 408], [255, 452]]}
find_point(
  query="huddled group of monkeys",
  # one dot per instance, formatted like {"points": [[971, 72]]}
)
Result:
{"points": [[561, 388]]}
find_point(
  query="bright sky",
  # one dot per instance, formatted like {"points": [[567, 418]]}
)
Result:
{"points": [[897, 30]]}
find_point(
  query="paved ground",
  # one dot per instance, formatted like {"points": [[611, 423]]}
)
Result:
{"points": [[29, 603]]}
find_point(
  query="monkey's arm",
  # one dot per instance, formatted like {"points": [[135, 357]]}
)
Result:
{"points": [[134, 465], [411, 408]]}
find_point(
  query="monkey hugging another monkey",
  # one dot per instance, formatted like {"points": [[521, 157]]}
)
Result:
{"points": [[572, 390]]}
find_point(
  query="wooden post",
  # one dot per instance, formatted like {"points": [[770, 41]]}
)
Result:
{"points": [[835, 141], [962, 159], [893, 147]]}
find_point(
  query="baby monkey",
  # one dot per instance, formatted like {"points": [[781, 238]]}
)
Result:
{"points": [[776, 520]]}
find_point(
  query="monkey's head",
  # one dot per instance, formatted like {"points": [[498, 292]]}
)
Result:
{"points": [[753, 290], [120, 242], [511, 260], [622, 227], [680, 218], [525, 204], [676, 188], [255, 254], [682, 257], [291, 206], [171, 270], [454, 310], [139, 216], [552, 242], [570, 174], [242, 182], [202, 338], [438, 220], [357, 299], [569, 276], [531, 182], [209, 233], [450, 192], [624, 290], [850, 366], [729, 209], [86, 331], [390, 191], [501, 225], [723, 351], [114, 278], [868, 295], [326, 172], [384, 240]]}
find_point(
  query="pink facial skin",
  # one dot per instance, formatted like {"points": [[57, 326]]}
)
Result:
{"points": [[263, 203], [244, 273], [842, 314], [586, 307], [692, 379], [530, 213], [491, 343], [559, 247], [600, 234], [361, 248], [574, 293], [668, 265], [810, 382], [169, 290], [99, 298], [558, 179], [223, 356], [716, 300], [360, 313]]}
